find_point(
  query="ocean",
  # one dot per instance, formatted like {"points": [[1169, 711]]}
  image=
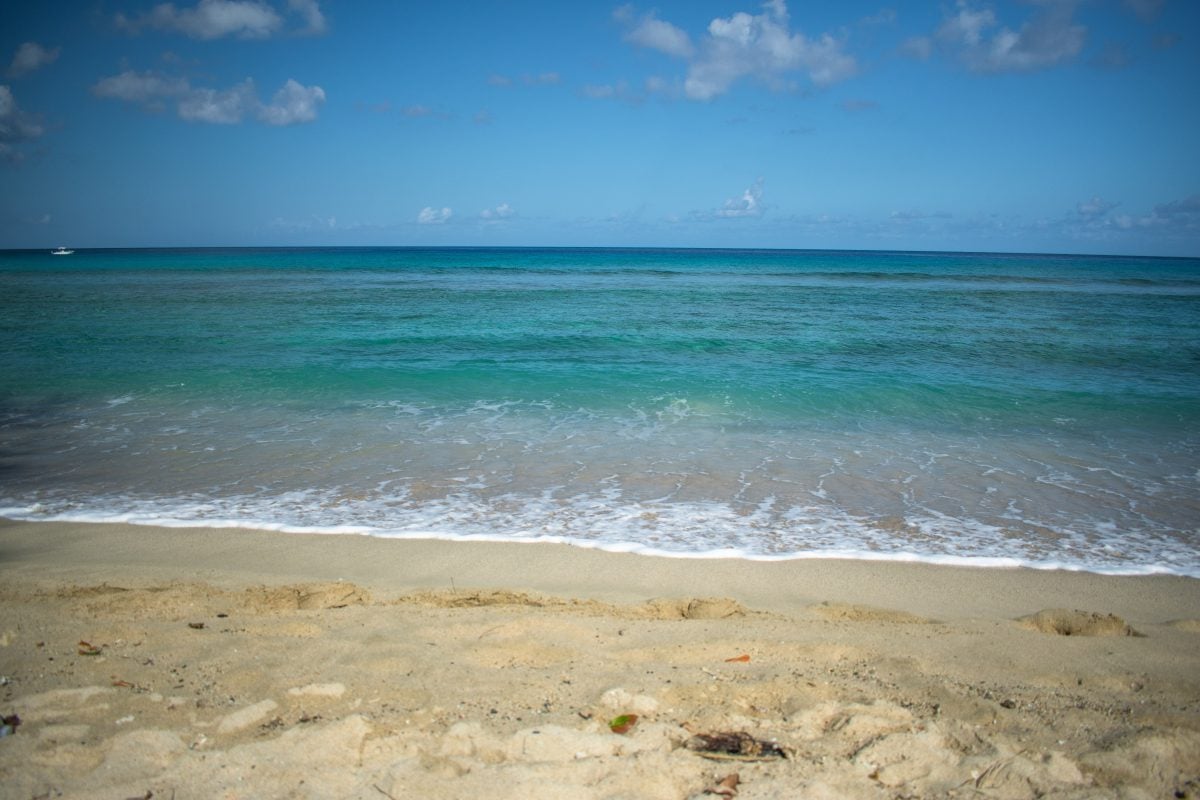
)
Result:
{"points": [[968, 408]]}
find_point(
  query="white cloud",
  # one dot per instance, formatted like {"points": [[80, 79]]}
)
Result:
{"points": [[656, 34], [434, 216], [1174, 220], [968, 25], [16, 127], [1189, 207], [313, 18], [1176, 217], [293, 103], [134, 87], [210, 19], [213, 19], [1095, 207], [748, 205], [1049, 37], [218, 107], [622, 91], [500, 212], [744, 45], [31, 56]]}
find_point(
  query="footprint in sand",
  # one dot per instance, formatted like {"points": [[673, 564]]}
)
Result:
{"points": [[847, 612], [1064, 622]]}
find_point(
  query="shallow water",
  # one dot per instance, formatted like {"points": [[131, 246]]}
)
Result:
{"points": [[995, 408]]}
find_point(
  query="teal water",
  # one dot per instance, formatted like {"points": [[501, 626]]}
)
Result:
{"points": [[997, 409]]}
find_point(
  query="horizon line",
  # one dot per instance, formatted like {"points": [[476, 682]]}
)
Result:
{"points": [[616, 248]]}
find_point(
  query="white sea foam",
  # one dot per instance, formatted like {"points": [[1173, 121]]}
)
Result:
{"points": [[674, 530]]}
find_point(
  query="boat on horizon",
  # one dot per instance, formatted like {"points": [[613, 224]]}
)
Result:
{"points": [[61, 251]]}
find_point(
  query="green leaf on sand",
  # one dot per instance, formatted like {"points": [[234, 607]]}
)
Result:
{"points": [[623, 723]]}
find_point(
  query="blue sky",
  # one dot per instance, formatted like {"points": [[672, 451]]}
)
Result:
{"points": [[1040, 125]]}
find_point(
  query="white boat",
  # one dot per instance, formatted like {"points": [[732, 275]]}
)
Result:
{"points": [[62, 251]]}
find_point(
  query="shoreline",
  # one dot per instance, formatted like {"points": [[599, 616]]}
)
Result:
{"points": [[404, 564], [624, 548], [231, 663]]}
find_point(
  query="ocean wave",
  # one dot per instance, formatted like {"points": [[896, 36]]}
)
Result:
{"points": [[660, 529]]}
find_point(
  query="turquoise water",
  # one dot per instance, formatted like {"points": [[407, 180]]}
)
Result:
{"points": [[996, 409]]}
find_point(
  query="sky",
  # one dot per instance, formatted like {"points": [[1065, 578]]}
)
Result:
{"points": [[1025, 126]]}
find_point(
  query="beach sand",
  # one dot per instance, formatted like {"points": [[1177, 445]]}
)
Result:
{"points": [[216, 663]]}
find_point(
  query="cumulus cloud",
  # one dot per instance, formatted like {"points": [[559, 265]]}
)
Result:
{"points": [[225, 107], [209, 19], [748, 205], [294, 103], [967, 26], [656, 34], [16, 127], [434, 216], [744, 45], [31, 56], [1048, 38], [498, 214], [311, 12], [213, 19]]}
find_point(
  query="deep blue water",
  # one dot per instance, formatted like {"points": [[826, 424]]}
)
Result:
{"points": [[997, 408]]}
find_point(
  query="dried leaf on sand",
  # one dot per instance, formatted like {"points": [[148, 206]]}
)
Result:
{"points": [[734, 746]]}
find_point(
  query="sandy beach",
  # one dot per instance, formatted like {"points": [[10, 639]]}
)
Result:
{"points": [[199, 663]]}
